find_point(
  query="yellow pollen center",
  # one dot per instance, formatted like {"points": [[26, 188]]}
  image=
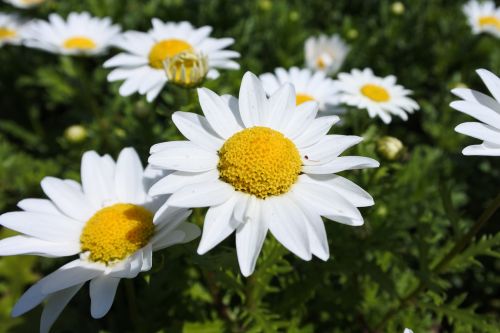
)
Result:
{"points": [[6, 33], [489, 21], [302, 98], [166, 49], [117, 231], [375, 92], [79, 43], [259, 161]]}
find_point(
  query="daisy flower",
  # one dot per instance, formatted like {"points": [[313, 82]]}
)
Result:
{"points": [[325, 53], [80, 34], [486, 110], [483, 17], [25, 3], [261, 163], [11, 28], [109, 221], [379, 96], [142, 65], [309, 86], [407, 330]]}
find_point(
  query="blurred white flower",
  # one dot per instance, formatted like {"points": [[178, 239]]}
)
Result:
{"points": [[80, 34], [11, 29], [25, 3], [109, 221], [407, 330], [381, 97], [261, 164], [142, 63], [325, 53], [309, 86], [483, 17], [486, 110]]}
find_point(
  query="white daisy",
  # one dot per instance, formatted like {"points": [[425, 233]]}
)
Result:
{"points": [[309, 86], [407, 330], [109, 221], [142, 63], [325, 53], [379, 96], [483, 17], [11, 29], [25, 3], [80, 34], [486, 110], [261, 163]]}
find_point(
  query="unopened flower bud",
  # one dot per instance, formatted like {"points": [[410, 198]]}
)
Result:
{"points": [[187, 69], [265, 5], [398, 8], [390, 148], [352, 33], [75, 133]]}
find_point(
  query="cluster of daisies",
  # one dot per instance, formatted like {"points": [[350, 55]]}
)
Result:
{"points": [[264, 161]]}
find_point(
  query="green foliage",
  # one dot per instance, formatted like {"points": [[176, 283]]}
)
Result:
{"points": [[391, 273]]}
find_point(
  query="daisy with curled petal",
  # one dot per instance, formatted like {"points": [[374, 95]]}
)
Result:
{"points": [[325, 53], [381, 97], [483, 17], [261, 163], [11, 29], [142, 63], [80, 34], [309, 86], [486, 110], [109, 221], [25, 3]]}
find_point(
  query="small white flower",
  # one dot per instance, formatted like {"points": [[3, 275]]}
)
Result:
{"points": [[261, 164], [25, 3], [486, 110], [407, 330], [11, 29], [381, 97], [483, 17], [142, 63], [80, 34], [109, 221], [325, 53], [309, 86]]}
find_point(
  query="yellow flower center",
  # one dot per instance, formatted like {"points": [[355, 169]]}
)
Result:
{"points": [[117, 231], [79, 43], [489, 21], [7, 33], [302, 98], [259, 161], [320, 63], [187, 69], [167, 49], [375, 92]]}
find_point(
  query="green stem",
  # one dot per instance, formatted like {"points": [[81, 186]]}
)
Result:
{"points": [[132, 302], [460, 245]]}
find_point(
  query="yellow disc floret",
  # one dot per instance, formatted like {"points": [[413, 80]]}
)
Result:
{"points": [[7, 33], [259, 161], [375, 92], [117, 231], [302, 98], [166, 49], [489, 21], [79, 43]]}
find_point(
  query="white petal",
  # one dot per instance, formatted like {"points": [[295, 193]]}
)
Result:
{"points": [[288, 225], [97, 179], [69, 200], [318, 128], [44, 226], [492, 82], [175, 181], [327, 148], [218, 113], [184, 156], [69, 275], [481, 150], [38, 206], [252, 100], [129, 185], [479, 131], [191, 231], [102, 294], [28, 245], [342, 163], [197, 129], [218, 225], [205, 194], [55, 305], [478, 111], [281, 105], [168, 239], [250, 237], [316, 232]]}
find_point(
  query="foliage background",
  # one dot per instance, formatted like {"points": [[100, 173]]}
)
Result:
{"points": [[382, 277]]}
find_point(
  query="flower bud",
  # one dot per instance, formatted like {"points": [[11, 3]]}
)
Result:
{"points": [[265, 5], [187, 69], [352, 33], [390, 148], [75, 133], [398, 8]]}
